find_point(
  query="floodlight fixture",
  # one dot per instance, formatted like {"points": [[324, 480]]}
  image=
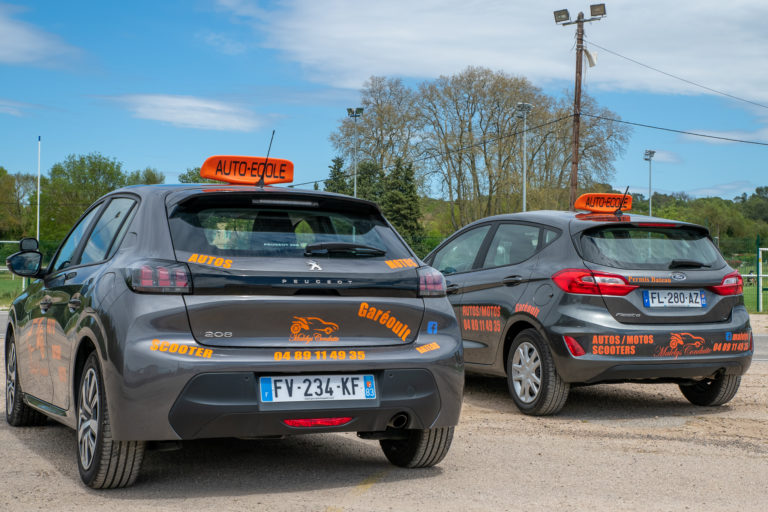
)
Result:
{"points": [[597, 10], [648, 154], [562, 16]]}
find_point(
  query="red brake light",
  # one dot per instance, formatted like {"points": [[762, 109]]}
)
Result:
{"points": [[159, 276], [574, 347], [317, 422], [732, 284], [587, 282], [431, 282]]}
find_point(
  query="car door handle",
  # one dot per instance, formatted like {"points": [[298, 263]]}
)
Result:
{"points": [[452, 288], [74, 304], [512, 280]]}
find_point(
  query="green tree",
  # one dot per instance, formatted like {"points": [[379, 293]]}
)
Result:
{"points": [[370, 181], [400, 202], [75, 184], [148, 176], [338, 181], [192, 175]]}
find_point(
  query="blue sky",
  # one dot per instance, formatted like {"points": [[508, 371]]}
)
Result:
{"points": [[167, 84]]}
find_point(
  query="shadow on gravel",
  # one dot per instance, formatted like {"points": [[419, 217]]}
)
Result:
{"points": [[598, 402], [234, 467]]}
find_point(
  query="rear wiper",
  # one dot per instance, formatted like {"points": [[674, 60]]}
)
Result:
{"points": [[348, 247], [687, 264]]}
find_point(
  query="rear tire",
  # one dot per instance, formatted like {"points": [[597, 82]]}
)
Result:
{"points": [[421, 449], [532, 378], [103, 462], [710, 392], [17, 413]]}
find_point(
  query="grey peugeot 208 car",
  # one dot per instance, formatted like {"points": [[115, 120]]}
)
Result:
{"points": [[552, 299], [198, 311]]}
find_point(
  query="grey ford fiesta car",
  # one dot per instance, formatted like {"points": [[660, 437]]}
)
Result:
{"points": [[197, 311], [553, 299]]}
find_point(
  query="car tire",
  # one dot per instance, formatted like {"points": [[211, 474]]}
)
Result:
{"points": [[103, 462], [715, 391], [17, 413], [533, 381], [420, 448]]}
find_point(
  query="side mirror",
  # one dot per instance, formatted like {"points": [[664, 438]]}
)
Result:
{"points": [[27, 244], [25, 264]]}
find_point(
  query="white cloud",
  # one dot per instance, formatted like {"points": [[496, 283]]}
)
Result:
{"points": [[734, 135], [190, 112], [12, 108], [667, 157], [727, 190], [22, 43], [343, 42], [222, 43]]}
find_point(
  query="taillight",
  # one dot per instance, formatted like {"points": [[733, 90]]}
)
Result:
{"points": [[431, 282], [575, 280], [732, 284], [574, 347], [317, 422], [159, 276]]}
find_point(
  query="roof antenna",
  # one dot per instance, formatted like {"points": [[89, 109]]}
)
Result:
{"points": [[260, 183], [618, 211]]}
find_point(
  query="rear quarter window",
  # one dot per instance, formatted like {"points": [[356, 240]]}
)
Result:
{"points": [[657, 248]]}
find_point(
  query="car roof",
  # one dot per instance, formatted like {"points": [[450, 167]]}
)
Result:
{"points": [[578, 221], [185, 190]]}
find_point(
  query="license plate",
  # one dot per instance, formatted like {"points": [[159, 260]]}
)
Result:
{"points": [[674, 299], [311, 388]]}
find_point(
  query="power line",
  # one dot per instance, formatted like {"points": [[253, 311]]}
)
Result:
{"points": [[694, 134], [722, 93]]}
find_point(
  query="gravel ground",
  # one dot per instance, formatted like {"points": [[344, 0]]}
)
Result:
{"points": [[613, 447]]}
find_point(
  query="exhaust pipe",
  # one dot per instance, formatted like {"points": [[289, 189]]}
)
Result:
{"points": [[398, 421]]}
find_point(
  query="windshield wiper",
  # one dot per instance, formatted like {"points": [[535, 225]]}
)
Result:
{"points": [[342, 247], [687, 264]]}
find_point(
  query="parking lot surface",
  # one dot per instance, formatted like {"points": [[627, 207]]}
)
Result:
{"points": [[613, 447]]}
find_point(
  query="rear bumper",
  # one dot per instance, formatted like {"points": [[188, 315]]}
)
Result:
{"points": [[228, 405], [622, 352], [165, 395]]}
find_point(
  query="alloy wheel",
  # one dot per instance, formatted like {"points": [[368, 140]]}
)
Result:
{"points": [[526, 372], [88, 411], [10, 379]]}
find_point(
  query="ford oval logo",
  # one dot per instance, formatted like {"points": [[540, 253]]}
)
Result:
{"points": [[678, 276]]}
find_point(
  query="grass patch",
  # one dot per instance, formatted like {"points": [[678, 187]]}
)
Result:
{"points": [[9, 288]]}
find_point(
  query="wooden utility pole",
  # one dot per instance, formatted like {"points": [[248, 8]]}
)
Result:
{"points": [[576, 111]]}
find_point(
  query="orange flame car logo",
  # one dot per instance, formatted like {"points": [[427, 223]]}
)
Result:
{"points": [[312, 328]]}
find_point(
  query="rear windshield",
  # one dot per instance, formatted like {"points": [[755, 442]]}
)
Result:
{"points": [[659, 248], [241, 227]]}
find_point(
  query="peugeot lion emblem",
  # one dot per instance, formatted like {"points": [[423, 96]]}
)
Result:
{"points": [[313, 265], [678, 276]]}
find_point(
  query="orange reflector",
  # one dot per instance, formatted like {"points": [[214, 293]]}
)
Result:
{"points": [[603, 203], [247, 170], [574, 347], [317, 422]]}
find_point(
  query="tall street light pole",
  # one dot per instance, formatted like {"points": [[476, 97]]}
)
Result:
{"points": [[39, 142], [354, 113], [522, 111], [597, 11], [649, 156]]}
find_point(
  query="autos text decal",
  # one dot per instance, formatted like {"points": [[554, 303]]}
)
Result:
{"points": [[481, 318], [527, 308], [428, 348], [619, 345], [181, 349], [405, 262], [400, 329], [312, 328], [683, 344], [203, 259]]}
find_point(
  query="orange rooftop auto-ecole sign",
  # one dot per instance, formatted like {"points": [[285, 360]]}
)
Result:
{"points": [[247, 170]]}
